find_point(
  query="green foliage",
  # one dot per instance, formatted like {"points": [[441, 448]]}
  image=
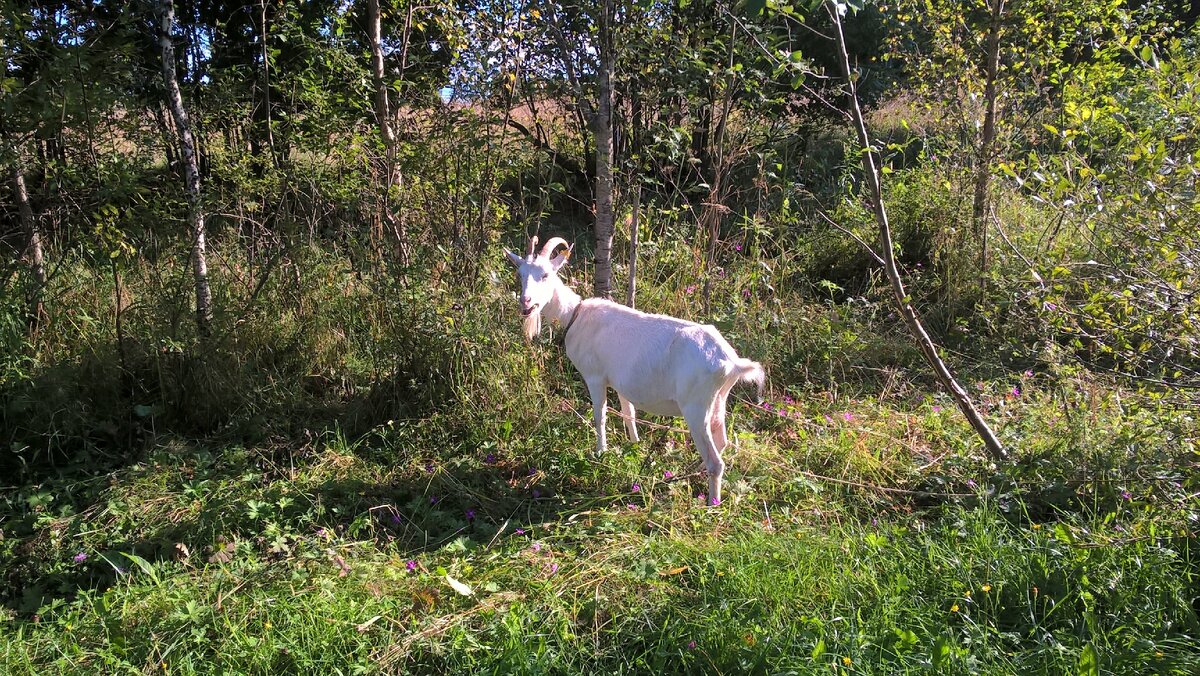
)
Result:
{"points": [[364, 469]]}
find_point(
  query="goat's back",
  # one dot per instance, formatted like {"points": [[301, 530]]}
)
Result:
{"points": [[649, 359]]}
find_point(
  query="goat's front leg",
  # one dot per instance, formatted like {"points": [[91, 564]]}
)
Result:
{"points": [[630, 417], [598, 389]]}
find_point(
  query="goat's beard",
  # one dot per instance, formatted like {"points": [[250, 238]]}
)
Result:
{"points": [[533, 325]]}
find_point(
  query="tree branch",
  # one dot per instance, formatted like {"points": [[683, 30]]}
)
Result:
{"points": [[874, 184]]}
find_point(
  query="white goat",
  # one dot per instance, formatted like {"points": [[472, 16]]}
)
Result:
{"points": [[656, 363]]}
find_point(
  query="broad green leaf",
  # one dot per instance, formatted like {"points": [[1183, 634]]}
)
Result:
{"points": [[1089, 662]]}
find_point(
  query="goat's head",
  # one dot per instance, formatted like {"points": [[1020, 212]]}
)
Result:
{"points": [[539, 279]]}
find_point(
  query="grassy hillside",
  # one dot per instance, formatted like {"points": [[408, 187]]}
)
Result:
{"points": [[380, 478]]}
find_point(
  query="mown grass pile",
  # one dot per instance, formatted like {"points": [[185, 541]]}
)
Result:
{"points": [[374, 477]]}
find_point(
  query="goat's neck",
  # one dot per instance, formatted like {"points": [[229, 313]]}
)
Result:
{"points": [[562, 305]]}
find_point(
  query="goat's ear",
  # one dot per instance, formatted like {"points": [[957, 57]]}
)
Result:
{"points": [[561, 259], [513, 258]]}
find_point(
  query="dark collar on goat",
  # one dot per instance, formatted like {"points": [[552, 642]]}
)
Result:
{"points": [[571, 321]]}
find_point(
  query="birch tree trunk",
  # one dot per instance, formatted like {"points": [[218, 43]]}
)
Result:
{"points": [[604, 156], [887, 256], [266, 85], [33, 248], [383, 116], [987, 140], [634, 220], [631, 290], [187, 150]]}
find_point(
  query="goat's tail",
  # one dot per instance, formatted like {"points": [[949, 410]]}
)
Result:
{"points": [[749, 371]]}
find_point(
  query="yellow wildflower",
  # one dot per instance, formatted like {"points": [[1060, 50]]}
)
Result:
{"points": [[847, 661], [987, 588], [954, 608]]}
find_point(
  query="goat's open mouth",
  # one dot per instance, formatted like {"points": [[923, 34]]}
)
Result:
{"points": [[528, 311]]}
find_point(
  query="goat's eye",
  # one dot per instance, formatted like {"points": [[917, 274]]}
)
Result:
{"points": [[545, 276]]}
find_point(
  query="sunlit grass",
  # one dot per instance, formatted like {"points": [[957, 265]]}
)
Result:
{"points": [[382, 453]]}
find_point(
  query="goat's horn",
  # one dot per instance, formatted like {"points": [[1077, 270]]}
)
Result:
{"points": [[552, 244], [532, 245]]}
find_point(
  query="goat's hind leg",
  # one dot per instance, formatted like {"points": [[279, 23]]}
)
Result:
{"points": [[716, 423], [630, 417], [699, 425]]}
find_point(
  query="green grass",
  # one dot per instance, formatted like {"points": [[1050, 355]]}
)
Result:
{"points": [[336, 556], [301, 501]]}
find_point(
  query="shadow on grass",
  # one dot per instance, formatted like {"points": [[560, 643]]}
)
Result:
{"points": [[187, 504]]}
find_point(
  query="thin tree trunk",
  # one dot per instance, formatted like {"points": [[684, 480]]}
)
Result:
{"points": [[266, 57], [888, 257], [635, 151], [604, 156], [33, 248], [714, 209], [383, 117], [987, 140], [191, 170], [631, 291]]}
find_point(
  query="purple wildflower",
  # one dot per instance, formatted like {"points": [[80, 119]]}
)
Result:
{"points": [[429, 467], [532, 471], [690, 289], [745, 293], [411, 565], [637, 488], [490, 458], [691, 645], [828, 418], [433, 499], [396, 518], [971, 483], [737, 247], [1028, 373], [667, 474], [702, 497], [470, 515], [937, 409], [537, 546], [520, 531], [1051, 306], [1016, 391], [80, 557], [714, 502], [788, 400], [848, 416], [553, 568], [1126, 495]]}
